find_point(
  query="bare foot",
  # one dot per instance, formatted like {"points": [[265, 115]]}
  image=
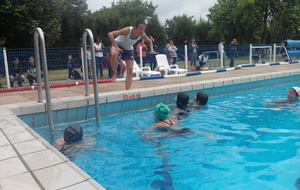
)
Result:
{"points": [[114, 78]]}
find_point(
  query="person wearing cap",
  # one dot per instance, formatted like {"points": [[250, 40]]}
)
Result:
{"points": [[72, 134], [292, 97], [169, 124], [161, 114]]}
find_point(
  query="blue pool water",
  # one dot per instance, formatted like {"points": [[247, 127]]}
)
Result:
{"points": [[247, 147]]}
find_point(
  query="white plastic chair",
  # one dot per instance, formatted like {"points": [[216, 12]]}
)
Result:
{"points": [[163, 65], [143, 71]]}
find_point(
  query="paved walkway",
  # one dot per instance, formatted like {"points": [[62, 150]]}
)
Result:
{"points": [[32, 95]]}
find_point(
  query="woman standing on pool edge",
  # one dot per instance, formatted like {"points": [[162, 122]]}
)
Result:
{"points": [[122, 42]]}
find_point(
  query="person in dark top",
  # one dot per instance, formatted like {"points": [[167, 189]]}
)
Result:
{"points": [[70, 66], [31, 71], [16, 73], [2, 68]]}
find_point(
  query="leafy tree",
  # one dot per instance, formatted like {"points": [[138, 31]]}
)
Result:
{"points": [[19, 18], [222, 15], [180, 27], [255, 21], [156, 30], [203, 27], [121, 14], [74, 21], [286, 24]]}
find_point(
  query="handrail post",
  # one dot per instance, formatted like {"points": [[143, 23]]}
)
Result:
{"points": [[39, 38], [94, 74]]}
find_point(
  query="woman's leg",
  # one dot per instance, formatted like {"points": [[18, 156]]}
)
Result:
{"points": [[174, 60], [101, 66], [97, 65], [129, 68], [114, 62]]}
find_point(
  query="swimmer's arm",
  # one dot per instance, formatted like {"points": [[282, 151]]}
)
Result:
{"points": [[152, 127], [145, 37], [112, 35]]}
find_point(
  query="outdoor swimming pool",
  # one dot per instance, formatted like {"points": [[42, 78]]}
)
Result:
{"points": [[248, 147]]}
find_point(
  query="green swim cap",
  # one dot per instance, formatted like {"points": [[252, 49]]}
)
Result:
{"points": [[161, 111]]}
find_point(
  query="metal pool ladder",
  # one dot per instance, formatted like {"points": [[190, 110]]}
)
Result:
{"points": [[39, 39], [89, 33]]}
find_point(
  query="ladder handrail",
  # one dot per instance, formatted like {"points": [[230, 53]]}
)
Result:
{"points": [[94, 74], [39, 38]]}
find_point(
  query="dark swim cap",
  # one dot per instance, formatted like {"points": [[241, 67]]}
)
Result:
{"points": [[73, 134], [182, 99]]}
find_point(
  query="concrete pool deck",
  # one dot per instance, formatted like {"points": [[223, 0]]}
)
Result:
{"points": [[61, 92], [29, 162]]}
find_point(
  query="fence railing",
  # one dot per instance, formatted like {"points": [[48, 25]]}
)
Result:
{"points": [[57, 58]]}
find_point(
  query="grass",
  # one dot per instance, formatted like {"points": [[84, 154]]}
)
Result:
{"points": [[55, 76]]}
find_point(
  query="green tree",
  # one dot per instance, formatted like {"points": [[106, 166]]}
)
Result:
{"points": [[74, 21], [286, 24], [255, 21], [203, 27], [156, 30], [19, 18], [222, 15], [121, 14], [180, 27]]}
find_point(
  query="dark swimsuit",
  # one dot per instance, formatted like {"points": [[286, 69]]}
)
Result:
{"points": [[183, 131], [170, 123]]}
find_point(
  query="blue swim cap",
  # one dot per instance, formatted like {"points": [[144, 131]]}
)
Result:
{"points": [[161, 111], [73, 134]]}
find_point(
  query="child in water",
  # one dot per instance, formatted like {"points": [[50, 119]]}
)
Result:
{"points": [[166, 123], [292, 97]]}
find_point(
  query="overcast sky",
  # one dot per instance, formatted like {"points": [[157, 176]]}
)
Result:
{"points": [[167, 9]]}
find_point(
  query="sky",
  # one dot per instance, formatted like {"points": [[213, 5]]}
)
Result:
{"points": [[167, 9]]}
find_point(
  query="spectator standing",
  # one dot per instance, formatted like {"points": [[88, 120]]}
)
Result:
{"points": [[222, 51], [2, 70], [70, 66], [192, 47], [168, 54], [16, 73], [144, 50], [99, 48], [233, 48], [173, 51]]}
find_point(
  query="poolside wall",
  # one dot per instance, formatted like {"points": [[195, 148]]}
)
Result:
{"points": [[68, 110]]}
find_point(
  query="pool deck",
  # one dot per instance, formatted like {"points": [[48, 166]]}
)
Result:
{"points": [[29, 162], [61, 92]]}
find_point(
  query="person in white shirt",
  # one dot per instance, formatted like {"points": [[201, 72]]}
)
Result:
{"points": [[122, 42], [222, 51], [99, 48]]}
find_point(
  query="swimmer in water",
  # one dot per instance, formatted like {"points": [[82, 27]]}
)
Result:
{"points": [[200, 99], [72, 134], [292, 97], [168, 124], [181, 111]]}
